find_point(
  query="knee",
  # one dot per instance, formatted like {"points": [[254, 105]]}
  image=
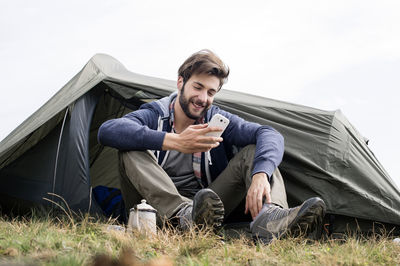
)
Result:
{"points": [[245, 155], [248, 151], [127, 154], [135, 156]]}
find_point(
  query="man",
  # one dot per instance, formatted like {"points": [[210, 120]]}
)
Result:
{"points": [[167, 158]]}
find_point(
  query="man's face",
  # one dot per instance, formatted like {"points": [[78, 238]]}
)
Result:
{"points": [[197, 94]]}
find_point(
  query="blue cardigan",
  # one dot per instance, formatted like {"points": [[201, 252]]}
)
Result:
{"points": [[145, 129]]}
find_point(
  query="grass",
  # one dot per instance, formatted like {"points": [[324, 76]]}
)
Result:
{"points": [[65, 240]]}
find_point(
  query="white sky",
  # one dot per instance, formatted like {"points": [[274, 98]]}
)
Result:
{"points": [[325, 54]]}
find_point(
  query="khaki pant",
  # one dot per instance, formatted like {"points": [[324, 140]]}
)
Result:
{"points": [[142, 177]]}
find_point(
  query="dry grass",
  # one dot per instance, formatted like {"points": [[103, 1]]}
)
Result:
{"points": [[86, 241]]}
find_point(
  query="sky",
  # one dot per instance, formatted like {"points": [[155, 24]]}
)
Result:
{"points": [[324, 54]]}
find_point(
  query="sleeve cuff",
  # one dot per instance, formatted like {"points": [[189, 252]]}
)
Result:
{"points": [[154, 139], [267, 167]]}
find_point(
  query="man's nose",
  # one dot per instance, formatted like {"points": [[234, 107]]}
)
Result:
{"points": [[203, 96]]}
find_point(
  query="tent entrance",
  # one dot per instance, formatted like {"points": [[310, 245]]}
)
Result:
{"points": [[115, 101]]}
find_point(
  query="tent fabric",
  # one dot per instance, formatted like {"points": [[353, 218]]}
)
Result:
{"points": [[56, 148]]}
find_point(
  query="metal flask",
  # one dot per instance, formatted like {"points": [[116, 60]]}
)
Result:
{"points": [[142, 218]]}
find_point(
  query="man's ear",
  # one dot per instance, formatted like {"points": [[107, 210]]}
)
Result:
{"points": [[179, 83]]}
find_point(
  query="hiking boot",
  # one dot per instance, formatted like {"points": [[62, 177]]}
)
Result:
{"points": [[275, 222], [207, 210]]}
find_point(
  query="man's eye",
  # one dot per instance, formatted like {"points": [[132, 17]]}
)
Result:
{"points": [[211, 94], [197, 88]]}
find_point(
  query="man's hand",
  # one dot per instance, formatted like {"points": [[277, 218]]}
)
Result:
{"points": [[192, 139], [258, 189]]}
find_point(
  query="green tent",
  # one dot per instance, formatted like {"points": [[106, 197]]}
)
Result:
{"points": [[56, 150]]}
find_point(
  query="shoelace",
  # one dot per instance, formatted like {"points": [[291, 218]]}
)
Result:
{"points": [[275, 212]]}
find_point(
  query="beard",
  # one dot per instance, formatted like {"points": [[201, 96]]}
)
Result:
{"points": [[184, 102]]}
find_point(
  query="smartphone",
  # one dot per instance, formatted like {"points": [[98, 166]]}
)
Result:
{"points": [[218, 121]]}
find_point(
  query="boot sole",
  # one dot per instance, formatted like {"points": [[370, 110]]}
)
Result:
{"points": [[208, 209]]}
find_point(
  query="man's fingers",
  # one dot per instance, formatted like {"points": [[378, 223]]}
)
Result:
{"points": [[203, 129], [254, 211], [207, 139], [202, 147], [259, 200], [214, 128], [208, 145], [258, 189], [199, 126], [210, 129], [267, 193], [251, 200], [267, 196], [249, 203], [254, 201]]}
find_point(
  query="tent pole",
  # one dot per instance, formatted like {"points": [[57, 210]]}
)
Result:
{"points": [[58, 150], [90, 198]]}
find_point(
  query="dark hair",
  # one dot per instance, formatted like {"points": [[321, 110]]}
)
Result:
{"points": [[204, 61]]}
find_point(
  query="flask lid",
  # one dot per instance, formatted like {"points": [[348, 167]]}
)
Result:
{"points": [[145, 207]]}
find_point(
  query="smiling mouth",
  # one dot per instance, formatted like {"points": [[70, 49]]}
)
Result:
{"points": [[198, 106]]}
